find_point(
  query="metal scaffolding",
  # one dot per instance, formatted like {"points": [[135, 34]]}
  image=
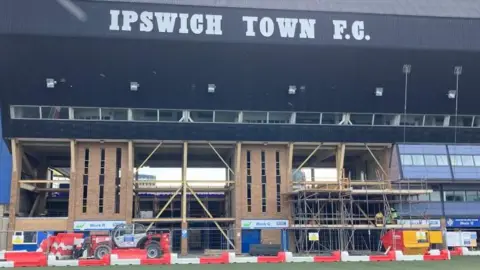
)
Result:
{"points": [[341, 214]]}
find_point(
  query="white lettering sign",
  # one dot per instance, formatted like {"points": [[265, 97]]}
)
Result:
{"points": [[286, 27], [357, 30], [166, 22], [211, 25]]}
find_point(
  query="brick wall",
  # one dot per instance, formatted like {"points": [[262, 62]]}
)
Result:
{"points": [[93, 190], [271, 237], [241, 210], [38, 224]]}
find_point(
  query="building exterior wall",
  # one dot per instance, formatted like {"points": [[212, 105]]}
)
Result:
{"points": [[5, 172], [256, 184], [93, 172]]}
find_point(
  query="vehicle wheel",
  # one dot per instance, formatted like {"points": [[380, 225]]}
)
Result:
{"points": [[154, 250], [101, 251]]}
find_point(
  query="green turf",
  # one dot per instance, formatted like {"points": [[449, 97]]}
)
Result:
{"points": [[457, 263]]}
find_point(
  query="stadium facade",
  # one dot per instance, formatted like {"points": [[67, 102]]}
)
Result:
{"points": [[93, 91]]}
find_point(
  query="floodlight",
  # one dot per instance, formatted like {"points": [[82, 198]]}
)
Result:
{"points": [[211, 88], [51, 83], [292, 89], [379, 91], [452, 94], [134, 86]]}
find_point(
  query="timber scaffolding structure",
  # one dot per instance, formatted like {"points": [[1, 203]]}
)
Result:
{"points": [[341, 213]]}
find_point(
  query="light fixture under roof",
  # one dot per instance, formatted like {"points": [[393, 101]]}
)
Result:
{"points": [[50, 83], [211, 88], [452, 94], [134, 86], [292, 89], [379, 91]]}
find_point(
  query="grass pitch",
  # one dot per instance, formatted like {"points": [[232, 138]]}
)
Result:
{"points": [[457, 263]]}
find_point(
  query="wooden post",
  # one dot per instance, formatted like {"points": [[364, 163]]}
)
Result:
{"points": [[14, 189], [240, 197], [184, 241]]}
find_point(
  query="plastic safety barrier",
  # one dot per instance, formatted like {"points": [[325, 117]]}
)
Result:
{"points": [[222, 259], [389, 257], [25, 259], [442, 255]]}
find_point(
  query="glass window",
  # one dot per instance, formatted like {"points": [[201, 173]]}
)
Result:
{"points": [[255, 117], [467, 161], [172, 115], [144, 115], [226, 117], [472, 196], [477, 160], [424, 197], [456, 160], [435, 196], [114, 114], [331, 118], [418, 160], [442, 160], [361, 119], [279, 117], [26, 112], [86, 113], [55, 113], [29, 237], [307, 118], [430, 160], [201, 116], [454, 196], [406, 160]]}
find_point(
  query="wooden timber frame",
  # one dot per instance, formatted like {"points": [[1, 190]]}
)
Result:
{"points": [[184, 189], [338, 205]]}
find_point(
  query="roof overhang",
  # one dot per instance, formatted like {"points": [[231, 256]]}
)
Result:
{"points": [[108, 19]]}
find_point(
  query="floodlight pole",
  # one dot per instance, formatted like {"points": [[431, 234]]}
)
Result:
{"points": [[407, 68], [457, 70]]}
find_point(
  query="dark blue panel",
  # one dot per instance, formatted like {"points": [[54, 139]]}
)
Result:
{"points": [[5, 171], [462, 209], [464, 149], [420, 210], [250, 237], [424, 172], [466, 173], [428, 149]]}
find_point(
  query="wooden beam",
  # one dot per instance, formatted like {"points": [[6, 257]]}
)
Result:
{"points": [[340, 161], [376, 161], [181, 181], [210, 216], [189, 219], [221, 158], [307, 159], [165, 206], [43, 181], [184, 181]]}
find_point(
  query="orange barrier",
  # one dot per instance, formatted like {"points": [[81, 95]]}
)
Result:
{"points": [[102, 262], [335, 257], [165, 260], [27, 259], [389, 257], [280, 258], [133, 253], [222, 259], [458, 251], [444, 255]]}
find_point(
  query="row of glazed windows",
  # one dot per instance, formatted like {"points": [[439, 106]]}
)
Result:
{"points": [[441, 160], [253, 117], [449, 196]]}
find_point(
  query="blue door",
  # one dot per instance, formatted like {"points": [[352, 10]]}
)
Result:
{"points": [[250, 237]]}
